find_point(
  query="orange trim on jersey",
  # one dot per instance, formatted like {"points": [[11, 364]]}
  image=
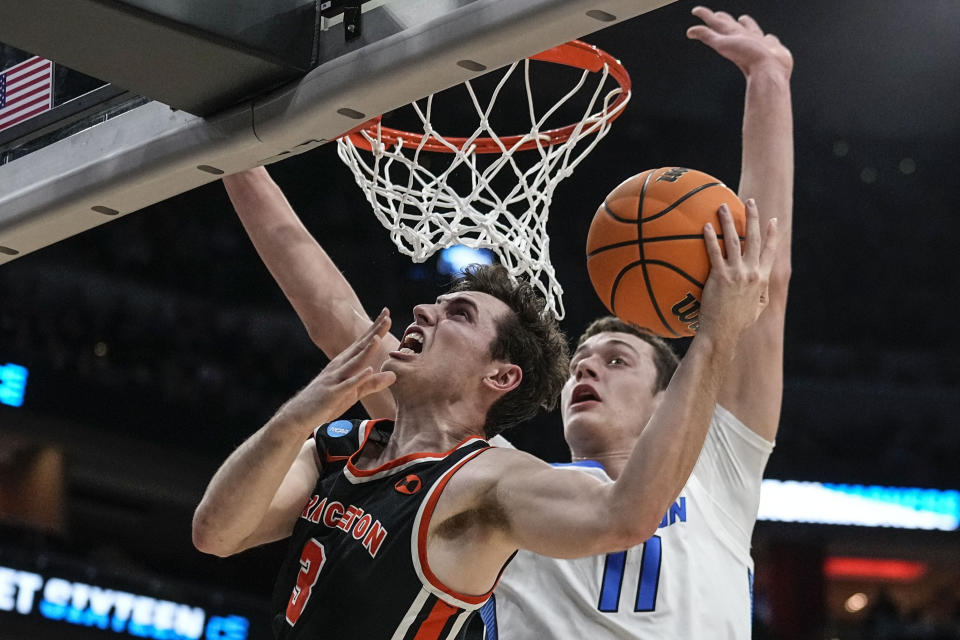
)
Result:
{"points": [[439, 615], [428, 508], [366, 428], [410, 457]]}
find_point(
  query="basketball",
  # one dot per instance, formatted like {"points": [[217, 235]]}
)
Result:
{"points": [[646, 255]]}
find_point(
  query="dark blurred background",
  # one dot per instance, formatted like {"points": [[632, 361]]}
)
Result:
{"points": [[158, 342]]}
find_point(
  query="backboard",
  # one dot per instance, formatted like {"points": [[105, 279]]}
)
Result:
{"points": [[150, 150]]}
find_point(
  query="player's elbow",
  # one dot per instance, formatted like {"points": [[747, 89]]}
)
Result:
{"points": [[205, 542], [641, 531], [324, 332], [628, 529], [208, 538], [318, 327], [318, 337], [627, 521]]}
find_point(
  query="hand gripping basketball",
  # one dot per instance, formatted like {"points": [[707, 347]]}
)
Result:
{"points": [[737, 289]]}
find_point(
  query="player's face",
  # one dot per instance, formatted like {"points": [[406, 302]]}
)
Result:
{"points": [[610, 394], [447, 348]]}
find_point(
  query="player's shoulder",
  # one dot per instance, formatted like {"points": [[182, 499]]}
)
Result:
{"points": [[499, 458], [513, 469], [475, 483], [499, 461], [482, 473], [339, 439], [728, 421]]}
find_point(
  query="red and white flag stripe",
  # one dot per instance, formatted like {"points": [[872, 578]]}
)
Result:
{"points": [[26, 90]]}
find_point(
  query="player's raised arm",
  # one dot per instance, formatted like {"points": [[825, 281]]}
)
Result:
{"points": [[754, 389], [564, 514], [258, 492], [323, 299]]}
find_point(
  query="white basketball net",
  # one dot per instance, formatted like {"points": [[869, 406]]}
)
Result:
{"points": [[424, 212]]}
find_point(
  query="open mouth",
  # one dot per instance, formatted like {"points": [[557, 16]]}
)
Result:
{"points": [[583, 393], [412, 343]]}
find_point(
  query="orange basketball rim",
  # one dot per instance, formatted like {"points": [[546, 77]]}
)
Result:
{"points": [[576, 54]]}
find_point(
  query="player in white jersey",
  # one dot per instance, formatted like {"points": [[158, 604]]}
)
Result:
{"points": [[693, 579], [701, 586]]}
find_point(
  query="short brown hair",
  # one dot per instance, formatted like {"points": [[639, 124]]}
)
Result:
{"points": [[664, 358], [529, 338]]}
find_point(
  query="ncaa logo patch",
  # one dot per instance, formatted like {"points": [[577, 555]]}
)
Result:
{"points": [[409, 485], [339, 428]]}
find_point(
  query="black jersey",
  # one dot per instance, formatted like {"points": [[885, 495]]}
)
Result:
{"points": [[357, 567]]}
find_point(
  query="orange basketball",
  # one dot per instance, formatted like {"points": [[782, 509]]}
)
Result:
{"points": [[645, 251]]}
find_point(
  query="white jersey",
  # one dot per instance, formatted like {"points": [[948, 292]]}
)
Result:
{"points": [[693, 579]]}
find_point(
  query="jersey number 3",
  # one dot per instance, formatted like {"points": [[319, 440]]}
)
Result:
{"points": [[647, 584], [311, 561]]}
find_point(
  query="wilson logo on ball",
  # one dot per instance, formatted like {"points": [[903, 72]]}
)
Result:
{"points": [[687, 311], [672, 175]]}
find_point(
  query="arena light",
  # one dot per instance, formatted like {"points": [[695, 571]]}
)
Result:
{"points": [[856, 603], [453, 260], [13, 384], [860, 505], [887, 569]]}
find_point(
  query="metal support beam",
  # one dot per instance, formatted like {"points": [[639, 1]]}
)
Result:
{"points": [[407, 50], [201, 56]]}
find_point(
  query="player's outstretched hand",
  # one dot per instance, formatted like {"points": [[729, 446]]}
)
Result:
{"points": [[741, 41], [350, 376], [737, 290]]}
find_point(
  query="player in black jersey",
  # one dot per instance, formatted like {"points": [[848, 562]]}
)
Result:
{"points": [[403, 531]]}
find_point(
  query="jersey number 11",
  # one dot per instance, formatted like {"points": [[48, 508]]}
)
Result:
{"points": [[647, 584]]}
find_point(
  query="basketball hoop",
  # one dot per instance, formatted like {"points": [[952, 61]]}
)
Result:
{"points": [[428, 205]]}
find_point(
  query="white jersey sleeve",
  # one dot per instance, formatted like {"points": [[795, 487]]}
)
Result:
{"points": [[730, 472]]}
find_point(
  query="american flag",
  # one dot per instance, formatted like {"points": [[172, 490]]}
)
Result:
{"points": [[26, 90]]}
